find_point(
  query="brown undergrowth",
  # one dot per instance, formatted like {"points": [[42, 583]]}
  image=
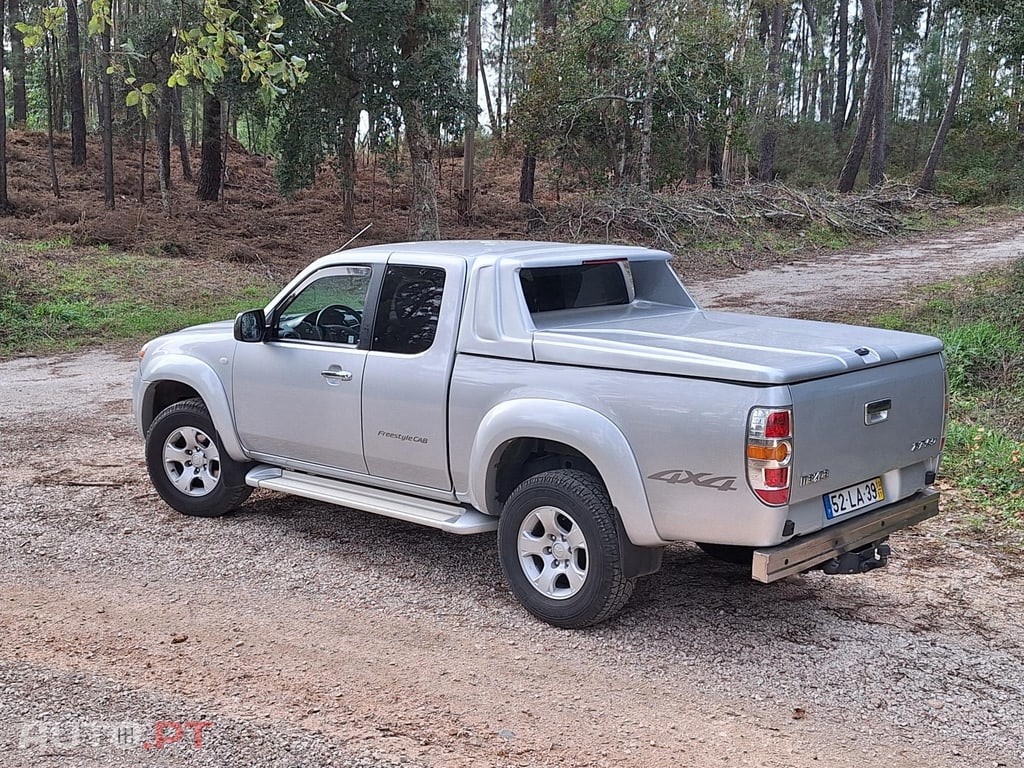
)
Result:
{"points": [[722, 231]]}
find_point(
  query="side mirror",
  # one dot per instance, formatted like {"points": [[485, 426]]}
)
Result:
{"points": [[251, 326]]}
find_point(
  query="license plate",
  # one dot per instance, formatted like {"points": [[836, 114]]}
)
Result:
{"points": [[853, 498]]}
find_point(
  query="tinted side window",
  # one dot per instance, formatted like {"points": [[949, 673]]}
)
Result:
{"points": [[410, 303]]}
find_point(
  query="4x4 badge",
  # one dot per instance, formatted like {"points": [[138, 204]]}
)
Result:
{"points": [[700, 479]]}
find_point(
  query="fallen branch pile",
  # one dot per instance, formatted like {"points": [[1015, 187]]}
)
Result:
{"points": [[674, 221]]}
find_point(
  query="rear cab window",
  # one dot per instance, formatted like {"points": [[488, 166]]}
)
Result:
{"points": [[577, 286]]}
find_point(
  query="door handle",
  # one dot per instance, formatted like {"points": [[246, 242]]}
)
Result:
{"points": [[877, 412], [336, 373]]}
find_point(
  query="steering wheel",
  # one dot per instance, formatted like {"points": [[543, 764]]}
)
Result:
{"points": [[343, 311]]}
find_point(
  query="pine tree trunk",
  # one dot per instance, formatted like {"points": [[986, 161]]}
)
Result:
{"points": [[922, 67], [858, 75], [548, 15], [423, 217], [469, 135], [76, 93], [647, 119], [502, 51], [48, 52], [178, 131], [715, 156], [17, 64], [766, 165], [495, 123], [528, 169], [5, 202], [872, 101], [692, 149], [106, 120], [143, 132], [928, 177], [883, 54], [347, 156], [225, 124], [842, 64], [164, 108], [163, 146], [210, 169], [527, 173]]}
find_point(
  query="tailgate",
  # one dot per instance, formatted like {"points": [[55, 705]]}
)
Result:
{"points": [[881, 423]]}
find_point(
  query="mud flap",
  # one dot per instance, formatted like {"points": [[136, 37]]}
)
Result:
{"points": [[636, 561]]}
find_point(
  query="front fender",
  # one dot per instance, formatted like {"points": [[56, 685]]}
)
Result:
{"points": [[579, 427], [201, 377]]}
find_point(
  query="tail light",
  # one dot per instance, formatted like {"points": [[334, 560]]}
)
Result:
{"points": [[769, 454]]}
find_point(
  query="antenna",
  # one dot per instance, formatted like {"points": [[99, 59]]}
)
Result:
{"points": [[356, 236]]}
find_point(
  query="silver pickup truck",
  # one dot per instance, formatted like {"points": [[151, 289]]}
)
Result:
{"points": [[574, 398]]}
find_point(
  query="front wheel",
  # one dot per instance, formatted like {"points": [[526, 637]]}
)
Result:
{"points": [[560, 551], [188, 464]]}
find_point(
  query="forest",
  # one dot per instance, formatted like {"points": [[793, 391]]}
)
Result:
{"points": [[170, 163], [643, 101]]}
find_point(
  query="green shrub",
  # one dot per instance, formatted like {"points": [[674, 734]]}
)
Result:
{"points": [[981, 353]]}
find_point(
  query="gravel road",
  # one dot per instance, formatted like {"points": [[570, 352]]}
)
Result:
{"points": [[297, 634]]}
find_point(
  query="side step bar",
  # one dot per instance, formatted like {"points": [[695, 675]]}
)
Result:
{"points": [[805, 552], [434, 514]]}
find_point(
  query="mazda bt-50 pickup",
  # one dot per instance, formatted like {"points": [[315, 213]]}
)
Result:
{"points": [[573, 398]]}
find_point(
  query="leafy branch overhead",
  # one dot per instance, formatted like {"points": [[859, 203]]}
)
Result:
{"points": [[250, 34], [247, 34]]}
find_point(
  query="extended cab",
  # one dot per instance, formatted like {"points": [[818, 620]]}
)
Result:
{"points": [[574, 398]]}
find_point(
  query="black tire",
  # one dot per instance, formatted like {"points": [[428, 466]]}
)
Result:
{"points": [[212, 486], [729, 553], [578, 581]]}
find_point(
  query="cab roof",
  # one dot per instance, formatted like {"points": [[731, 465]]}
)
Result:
{"points": [[522, 251]]}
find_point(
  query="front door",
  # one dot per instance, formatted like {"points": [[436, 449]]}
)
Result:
{"points": [[297, 395]]}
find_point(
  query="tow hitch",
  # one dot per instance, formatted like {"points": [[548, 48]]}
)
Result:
{"points": [[859, 561], [852, 546]]}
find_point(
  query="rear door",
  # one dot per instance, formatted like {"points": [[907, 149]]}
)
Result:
{"points": [[408, 370]]}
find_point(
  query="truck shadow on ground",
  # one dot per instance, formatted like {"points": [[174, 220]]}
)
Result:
{"points": [[692, 591]]}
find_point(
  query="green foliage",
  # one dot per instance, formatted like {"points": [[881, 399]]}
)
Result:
{"points": [[980, 353], [80, 300], [247, 35], [42, 246], [51, 19], [359, 67], [585, 86], [987, 464], [977, 184], [250, 35], [982, 325]]}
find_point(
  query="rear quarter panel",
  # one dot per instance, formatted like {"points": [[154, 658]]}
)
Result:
{"points": [[687, 436]]}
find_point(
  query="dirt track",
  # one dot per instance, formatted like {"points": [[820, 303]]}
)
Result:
{"points": [[309, 635]]}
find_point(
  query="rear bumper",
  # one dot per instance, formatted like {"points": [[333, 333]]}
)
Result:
{"points": [[805, 552]]}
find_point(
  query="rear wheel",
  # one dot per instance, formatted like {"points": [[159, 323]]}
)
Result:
{"points": [[188, 464], [559, 548]]}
